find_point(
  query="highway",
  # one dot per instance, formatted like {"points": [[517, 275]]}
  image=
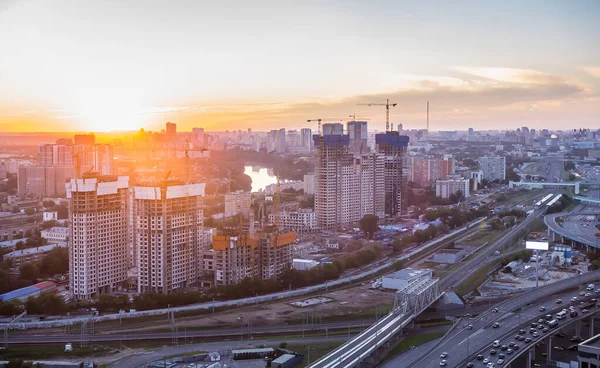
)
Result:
{"points": [[575, 227], [464, 342]]}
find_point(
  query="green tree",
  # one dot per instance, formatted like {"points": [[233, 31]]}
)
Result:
{"points": [[29, 272], [368, 225], [29, 211]]}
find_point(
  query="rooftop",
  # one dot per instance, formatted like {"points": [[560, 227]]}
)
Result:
{"points": [[36, 250], [26, 290], [407, 273], [593, 342]]}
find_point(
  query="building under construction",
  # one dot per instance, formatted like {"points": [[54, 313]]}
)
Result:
{"points": [[264, 254], [167, 235], [394, 147], [347, 185]]}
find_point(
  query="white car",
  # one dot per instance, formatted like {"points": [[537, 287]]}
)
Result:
{"points": [[443, 355], [500, 361], [496, 343], [443, 363], [486, 361], [469, 327]]}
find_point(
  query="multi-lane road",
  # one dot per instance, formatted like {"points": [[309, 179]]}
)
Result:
{"points": [[463, 342]]}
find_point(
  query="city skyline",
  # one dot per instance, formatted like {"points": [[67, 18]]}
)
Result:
{"points": [[102, 67]]}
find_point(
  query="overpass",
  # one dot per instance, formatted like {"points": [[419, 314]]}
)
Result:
{"points": [[587, 199], [574, 233], [410, 301], [539, 185], [464, 344]]}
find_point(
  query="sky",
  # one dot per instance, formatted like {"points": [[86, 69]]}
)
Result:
{"points": [[70, 65]]}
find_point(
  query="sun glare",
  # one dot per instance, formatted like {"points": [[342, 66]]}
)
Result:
{"points": [[104, 110]]}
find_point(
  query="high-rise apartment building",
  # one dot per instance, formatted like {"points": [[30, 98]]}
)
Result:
{"points": [[393, 147], [98, 245], [265, 255], [171, 132], [55, 155], [357, 130], [44, 181], [85, 139], [493, 167], [168, 236], [426, 170], [280, 141], [103, 160], [198, 137], [347, 186], [454, 183], [309, 184], [306, 137]]}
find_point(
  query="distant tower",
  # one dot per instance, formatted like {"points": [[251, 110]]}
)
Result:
{"points": [[427, 115]]}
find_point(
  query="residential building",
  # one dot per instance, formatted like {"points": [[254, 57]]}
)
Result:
{"points": [[493, 167], [168, 236], [50, 215], [309, 184], [171, 132], [44, 181], [302, 221], [393, 147], [264, 255], [306, 138], [85, 139], [347, 187], [446, 187], [426, 170], [29, 255], [357, 130], [280, 141], [98, 244], [237, 202], [56, 234]]}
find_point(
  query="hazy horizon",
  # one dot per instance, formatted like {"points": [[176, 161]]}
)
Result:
{"points": [[82, 66]]}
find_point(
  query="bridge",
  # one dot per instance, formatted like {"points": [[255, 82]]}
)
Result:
{"points": [[410, 301], [540, 185]]}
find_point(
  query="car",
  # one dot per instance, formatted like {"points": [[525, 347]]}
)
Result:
{"points": [[540, 322], [486, 361], [511, 344], [527, 340], [443, 363], [545, 329], [493, 352], [558, 348], [495, 310], [582, 293], [503, 347], [593, 300], [509, 351], [584, 310], [532, 330], [516, 347], [559, 334], [587, 295], [469, 365], [535, 334], [495, 325], [490, 365], [443, 355], [572, 347], [500, 361], [549, 317], [558, 301], [522, 332], [534, 325], [469, 327], [542, 309], [496, 343], [479, 357], [501, 356], [576, 339]]}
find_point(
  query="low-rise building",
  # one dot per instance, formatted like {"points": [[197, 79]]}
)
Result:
{"points": [[56, 234], [302, 221], [449, 256], [399, 279], [29, 291], [36, 254], [50, 215], [303, 264]]}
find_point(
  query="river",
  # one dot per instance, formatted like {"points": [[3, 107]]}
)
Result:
{"points": [[261, 177]]}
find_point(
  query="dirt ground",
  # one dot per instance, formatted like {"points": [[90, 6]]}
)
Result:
{"points": [[354, 300]]}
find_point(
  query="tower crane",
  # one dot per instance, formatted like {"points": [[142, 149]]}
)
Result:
{"points": [[319, 124], [387, 105]]}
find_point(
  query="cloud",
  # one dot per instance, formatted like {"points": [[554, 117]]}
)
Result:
{"points": [[511, 75], [592, 70]]}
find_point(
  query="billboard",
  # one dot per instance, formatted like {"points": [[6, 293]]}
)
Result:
{"points": [[536, 245]]}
